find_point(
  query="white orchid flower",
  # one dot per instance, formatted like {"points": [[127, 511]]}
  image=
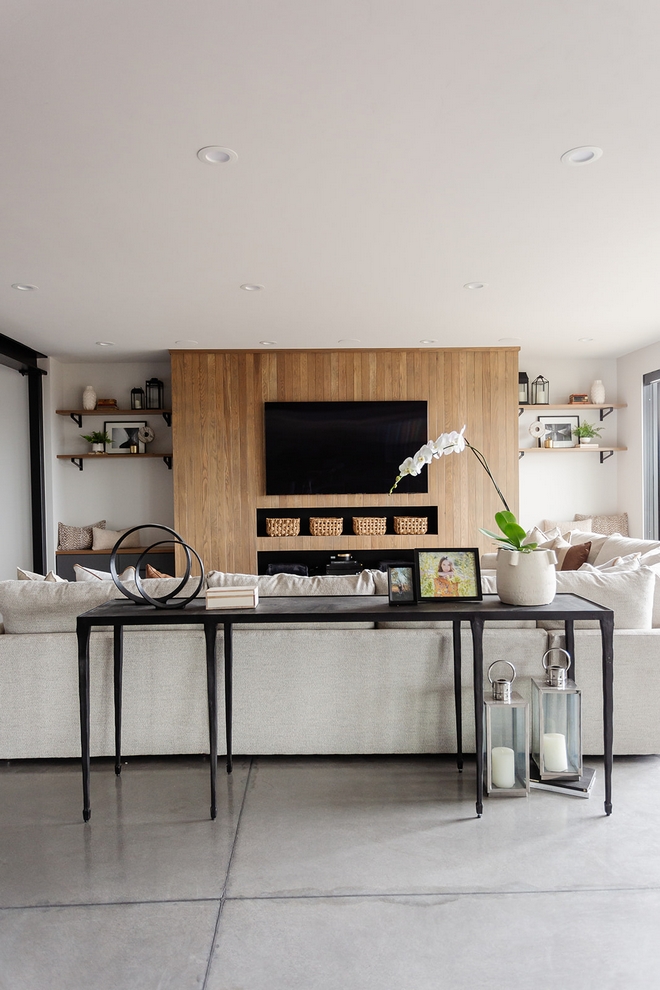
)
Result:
{"points": [[408, 467], [456, 442], [435, 448], [419, 461], [426, 453]]}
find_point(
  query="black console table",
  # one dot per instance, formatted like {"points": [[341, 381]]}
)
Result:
{"points": [[122, 612]]}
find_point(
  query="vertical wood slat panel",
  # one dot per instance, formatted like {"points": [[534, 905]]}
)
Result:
{"points": [[218, 470]]}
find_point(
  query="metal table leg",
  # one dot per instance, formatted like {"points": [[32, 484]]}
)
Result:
{"points": [[118, 652], [229, 663], [210, 633], [83, 633], [477, 626], [457, 695], [607, 638], [569, 639]]}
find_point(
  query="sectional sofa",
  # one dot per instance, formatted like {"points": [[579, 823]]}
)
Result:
{"points": [[322, 689]]}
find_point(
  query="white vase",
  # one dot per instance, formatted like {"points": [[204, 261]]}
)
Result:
{"points": [[597, 392], [585, 441], [89, 398], [98, 448], [526, 578]]}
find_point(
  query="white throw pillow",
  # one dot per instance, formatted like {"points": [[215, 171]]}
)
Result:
{"points": [[105, 539], [22, 575], [628, 593], [566, 527], [90, 574], [629, 563], [621, 546], [225, 579], [290, 585]]}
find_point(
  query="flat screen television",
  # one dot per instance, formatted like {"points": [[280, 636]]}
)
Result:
{"points": [[341, 448]]}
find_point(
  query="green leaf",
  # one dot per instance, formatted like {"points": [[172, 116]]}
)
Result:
{"points": [[515, 532], [504, 518]]}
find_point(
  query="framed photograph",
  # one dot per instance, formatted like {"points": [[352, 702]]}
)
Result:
{"points": [[560, 429], [452, 574], [401, 584], [123, 436]]}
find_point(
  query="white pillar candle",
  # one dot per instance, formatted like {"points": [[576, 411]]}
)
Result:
{"points": [[503, 767], [554, 752]]}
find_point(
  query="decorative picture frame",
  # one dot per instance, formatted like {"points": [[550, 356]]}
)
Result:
{"points": [[559, 429], [448, 573], [401, 584], [123, 434]]}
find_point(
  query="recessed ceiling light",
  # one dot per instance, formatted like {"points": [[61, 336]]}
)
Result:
{"points": [[186, 343], [251, 287], [581, 156], [349, 340], [475, 285], [585, 340], [268, 343], [428, 342], [216, 156], [24, 287], [105, 343]]}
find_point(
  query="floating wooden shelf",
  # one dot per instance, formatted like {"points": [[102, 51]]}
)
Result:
{"points": [[605, 452], [605, 407], [77, 414], [78, 459]]}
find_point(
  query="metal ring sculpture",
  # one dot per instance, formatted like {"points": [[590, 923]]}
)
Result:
{"points": [[165, 601]]}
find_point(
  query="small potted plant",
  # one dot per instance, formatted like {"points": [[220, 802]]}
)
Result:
{"points": [[98, 440], [586, 433]]}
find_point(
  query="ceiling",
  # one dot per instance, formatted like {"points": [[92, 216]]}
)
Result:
{"points": [[388, 153]]}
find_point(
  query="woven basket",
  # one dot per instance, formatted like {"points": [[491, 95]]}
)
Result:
{"points": [[369, 525], [326, 525], [283, 527], [410, 525]]}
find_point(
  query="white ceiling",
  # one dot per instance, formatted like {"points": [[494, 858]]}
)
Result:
{"points": [[388, 152]]}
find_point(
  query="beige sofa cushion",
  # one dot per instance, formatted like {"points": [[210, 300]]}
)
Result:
{"points": [[629, 594], [622, 546], [292, 585]]}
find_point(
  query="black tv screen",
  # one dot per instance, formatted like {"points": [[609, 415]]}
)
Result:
{"points": [[340, 448]]}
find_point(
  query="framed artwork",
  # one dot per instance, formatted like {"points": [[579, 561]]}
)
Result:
{"points": [[123, 436], [452, 574], [401, 584], [560, 429]]}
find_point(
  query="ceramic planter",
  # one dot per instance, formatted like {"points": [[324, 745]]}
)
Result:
{"points": [[526, 578]]}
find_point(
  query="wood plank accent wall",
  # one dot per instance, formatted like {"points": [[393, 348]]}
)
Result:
{"points": [[218, 438]]}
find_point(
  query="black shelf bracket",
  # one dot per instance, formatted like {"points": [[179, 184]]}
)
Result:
{"points": [[77, 419], [605, 412], [168, 460], [521, 410], [521, 454], [167, 416], [604, 454], [78, 461]]}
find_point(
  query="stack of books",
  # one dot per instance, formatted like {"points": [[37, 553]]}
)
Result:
{"points": [[247, 597], [573, 788]]}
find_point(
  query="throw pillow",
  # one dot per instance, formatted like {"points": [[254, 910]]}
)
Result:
{"points": [[105, 539], [572, 558], [567, 526], [290, 585], [22, 575], [76, 537], [622, 546], [630, 563], [90, 574], [153, 573], [606, 524]]}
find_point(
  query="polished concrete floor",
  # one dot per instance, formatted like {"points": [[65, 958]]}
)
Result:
{"points": [[324, 874]]}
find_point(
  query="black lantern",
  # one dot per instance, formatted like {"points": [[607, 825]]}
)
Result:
{"points": [[523, 388], [155, 393], [137, 398], [540, 391]]}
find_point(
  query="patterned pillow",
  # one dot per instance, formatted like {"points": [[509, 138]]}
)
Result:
{"points": [[607, 525], [76, 537]]}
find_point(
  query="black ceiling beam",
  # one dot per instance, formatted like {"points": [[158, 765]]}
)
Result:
{"points": [[15, 355]]}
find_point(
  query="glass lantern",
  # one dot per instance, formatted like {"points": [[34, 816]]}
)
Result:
{"points": [[155, 393], [523, 388], [540, 391], [556, 722], [137, 398], [506, 739]]}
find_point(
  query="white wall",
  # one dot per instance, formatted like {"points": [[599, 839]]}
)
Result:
{"points": [[15, 511], [557, 485], [631, 368], [125, 493]]}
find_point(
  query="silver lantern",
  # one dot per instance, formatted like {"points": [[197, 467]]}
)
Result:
{"points": [[556, 722], [506, 738]]}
